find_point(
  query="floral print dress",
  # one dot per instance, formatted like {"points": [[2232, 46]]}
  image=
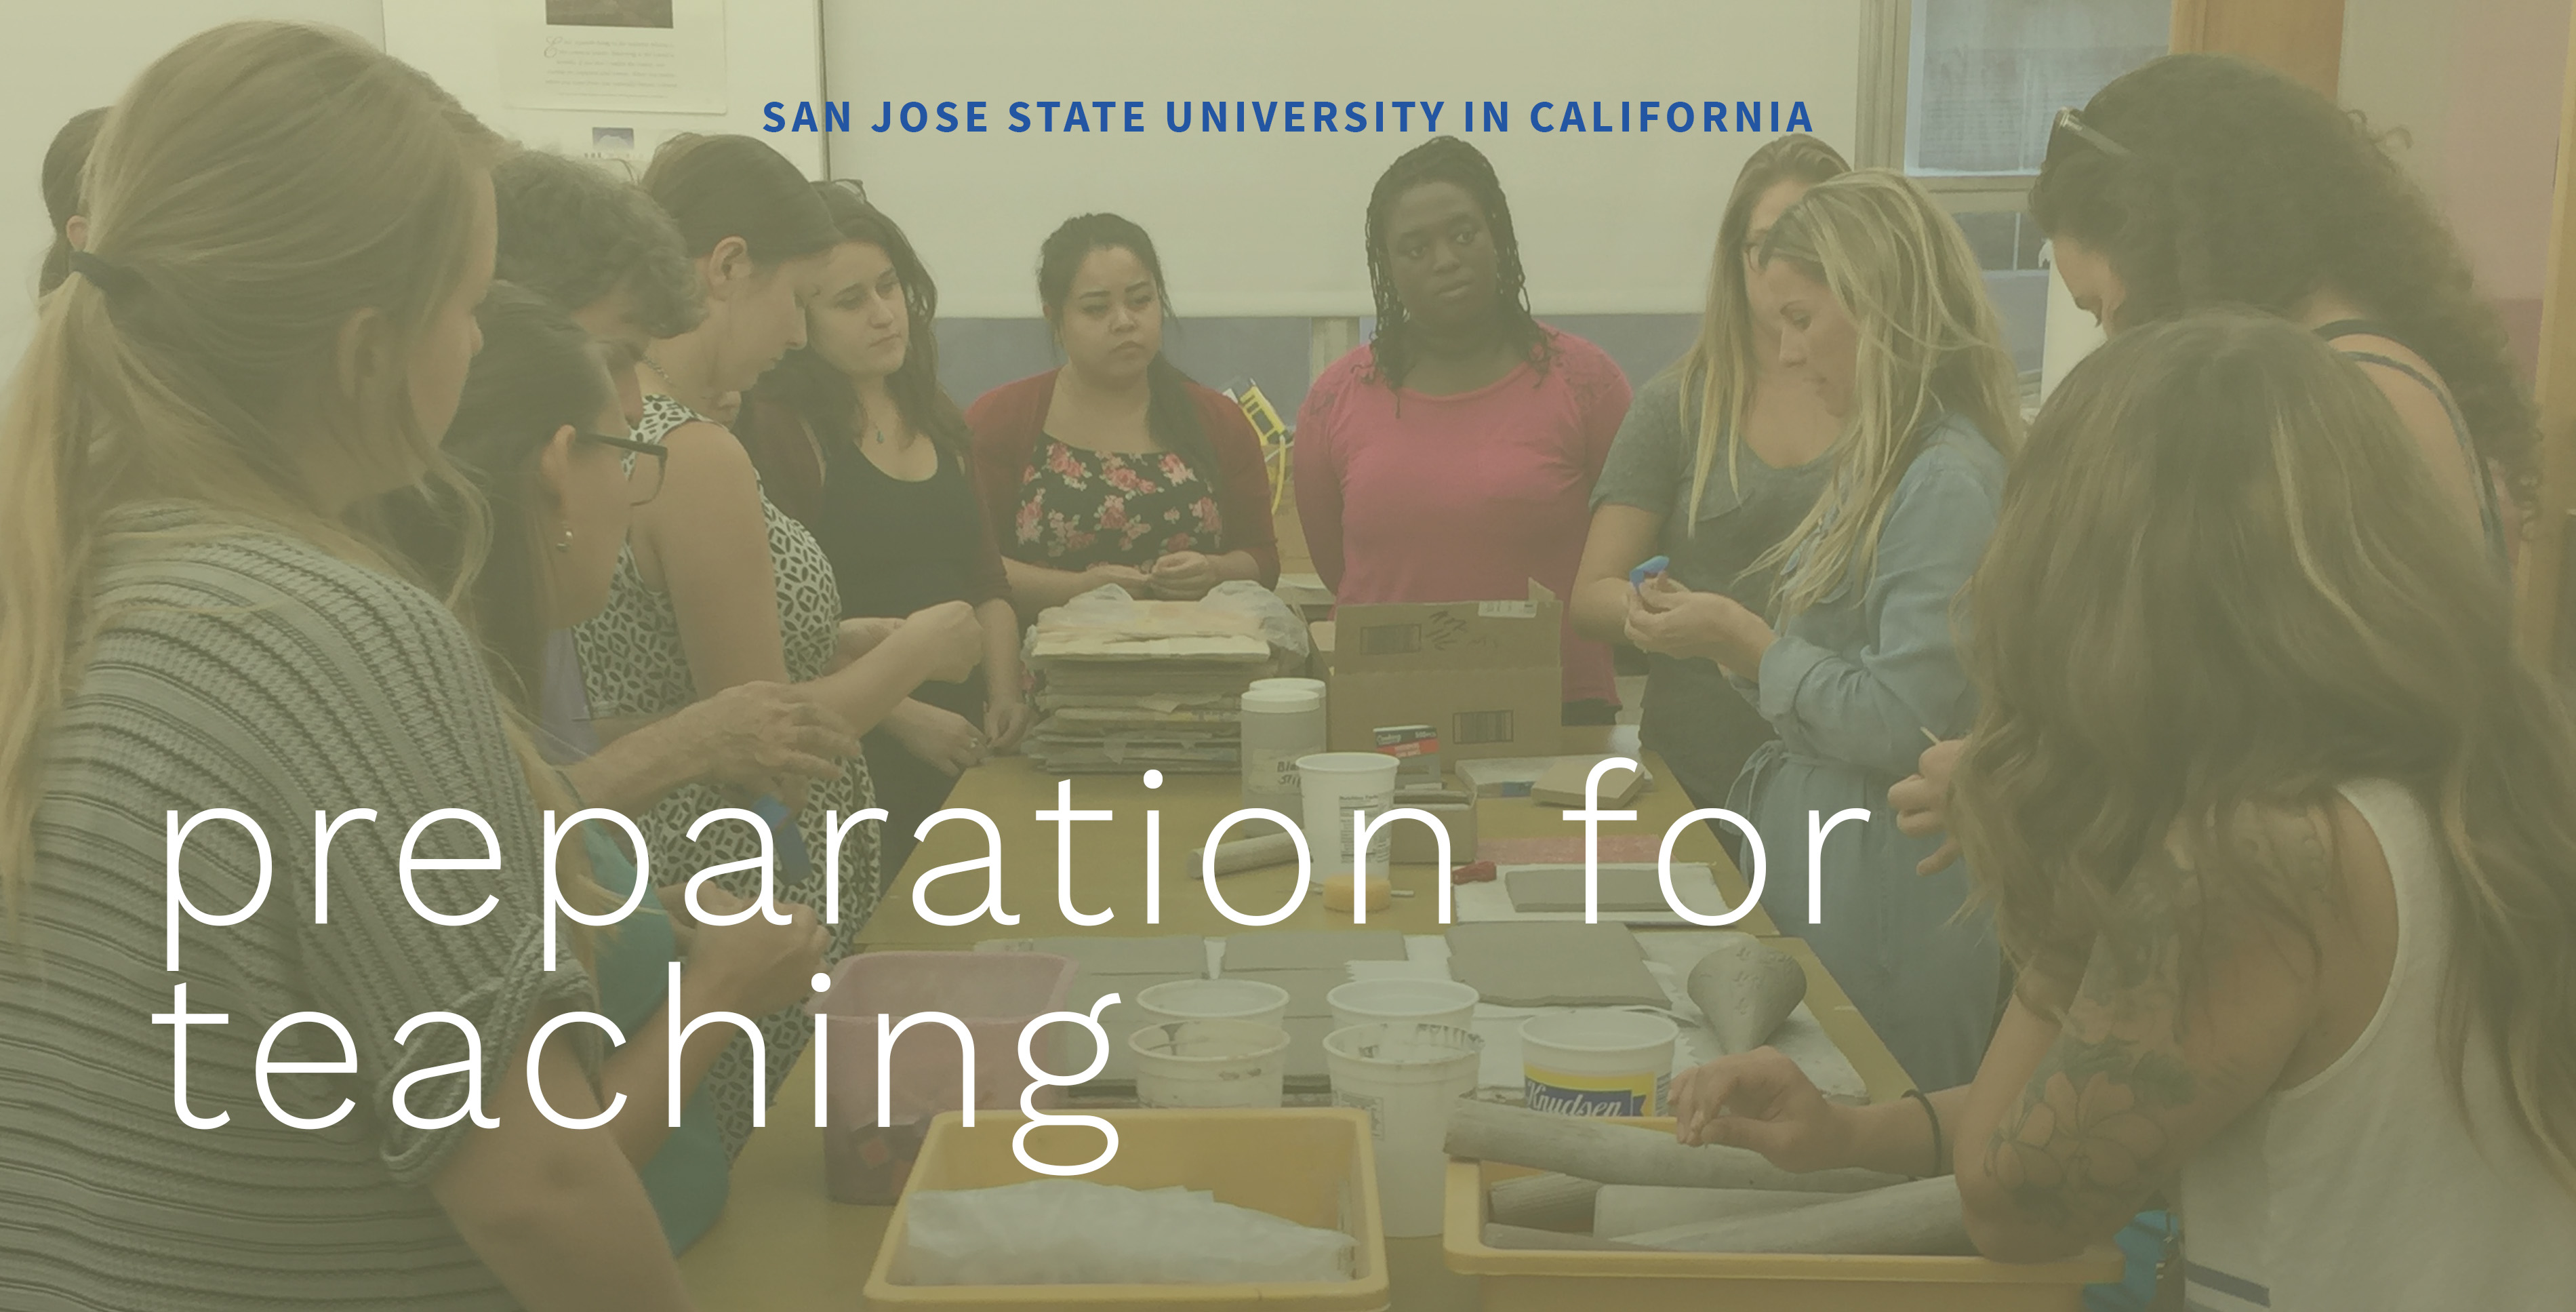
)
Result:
{"points": [[1083, 508]]}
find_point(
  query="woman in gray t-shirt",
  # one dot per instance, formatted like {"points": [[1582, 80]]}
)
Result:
{"points": [[1720, 457]]}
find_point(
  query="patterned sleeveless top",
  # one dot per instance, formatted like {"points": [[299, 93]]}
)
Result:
{"points": [[633, 665]]}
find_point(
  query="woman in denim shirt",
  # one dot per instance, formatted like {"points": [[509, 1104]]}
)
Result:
{"points": [[1884, 312]]}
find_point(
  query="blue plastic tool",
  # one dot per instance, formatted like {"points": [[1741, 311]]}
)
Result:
{"points": [[787, 838], [1647, 569]]}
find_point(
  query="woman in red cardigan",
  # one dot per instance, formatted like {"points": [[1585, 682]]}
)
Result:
{"points": [[1116, 468]]}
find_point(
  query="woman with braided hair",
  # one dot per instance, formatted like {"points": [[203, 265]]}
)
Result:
{"points": [[1452, 457]]}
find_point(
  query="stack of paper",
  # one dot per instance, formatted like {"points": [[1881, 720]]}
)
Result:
{"points": [[1147, 684]]}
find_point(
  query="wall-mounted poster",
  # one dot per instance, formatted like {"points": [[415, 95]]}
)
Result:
{"points": [[665, 55]]}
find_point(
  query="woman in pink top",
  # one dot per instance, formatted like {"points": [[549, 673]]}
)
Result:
{"points": [[1452, 458]]}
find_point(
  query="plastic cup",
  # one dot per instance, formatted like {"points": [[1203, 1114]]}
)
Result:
{"points": [[1405, 1075], [1336, 784], [1210, 1063], [1214, 999], [1598, 1062], [1381, 1001]]}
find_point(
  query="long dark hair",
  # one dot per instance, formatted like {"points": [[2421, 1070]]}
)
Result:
{"points": [[822, 395], [2220, 587], [1171, 415], [64, 161], [537, 372], [726, 185], [1446, 159], [2242, 186]]}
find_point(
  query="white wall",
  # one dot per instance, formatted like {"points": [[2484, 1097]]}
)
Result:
{"points": [[73, 56], [2475, 87], [770, 54], [1271, 225]]}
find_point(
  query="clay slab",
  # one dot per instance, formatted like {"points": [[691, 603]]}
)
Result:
{"points": [[1558, 963]]}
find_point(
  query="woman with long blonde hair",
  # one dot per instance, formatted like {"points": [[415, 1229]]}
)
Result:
{"points": [[1719, 457], [1883, 311], [267, 327], [2275, 824]]}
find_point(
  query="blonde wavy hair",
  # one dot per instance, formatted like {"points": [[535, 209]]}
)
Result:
{"points": [[2220, 586], [1717, 373], [256, 187], [1929, 344]]}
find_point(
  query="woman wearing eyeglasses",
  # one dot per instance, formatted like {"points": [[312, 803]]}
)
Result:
{"points": [[558, 491]]}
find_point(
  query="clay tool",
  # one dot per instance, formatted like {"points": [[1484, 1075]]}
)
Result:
{"points": [[790, 841]]}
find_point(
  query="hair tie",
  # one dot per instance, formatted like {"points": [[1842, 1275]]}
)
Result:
{"points": [[112, 278]]}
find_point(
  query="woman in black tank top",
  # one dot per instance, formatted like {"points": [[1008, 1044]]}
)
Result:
{"points": [[854, 438]]}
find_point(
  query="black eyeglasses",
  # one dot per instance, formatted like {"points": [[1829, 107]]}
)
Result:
{"points": [[2071, 123], [643, 477]]}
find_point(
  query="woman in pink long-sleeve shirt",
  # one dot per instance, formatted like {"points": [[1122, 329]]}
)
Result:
{"points": [[1452, 458]]}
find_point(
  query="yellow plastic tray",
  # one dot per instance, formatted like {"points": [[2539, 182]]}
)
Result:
{"points": [[1314, 1166], [1525, 1280]]}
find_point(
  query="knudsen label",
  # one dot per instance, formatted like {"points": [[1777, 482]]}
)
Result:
{"points": [[1635, 1093]]}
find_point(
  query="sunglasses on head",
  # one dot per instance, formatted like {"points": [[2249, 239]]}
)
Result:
{"points": [[2070, 123]]}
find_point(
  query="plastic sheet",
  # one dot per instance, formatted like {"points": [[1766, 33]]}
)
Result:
{"points": [[1074, 1232]]}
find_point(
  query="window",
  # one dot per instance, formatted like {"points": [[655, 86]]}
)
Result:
{"points": [[1961, 93], [1985, 77]]}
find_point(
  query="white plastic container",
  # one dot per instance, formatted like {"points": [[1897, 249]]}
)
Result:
{"points": [[1210, 1063], [1280, 726], [1334, 784], [1379, 1001], [1214, 999], [1315, 686], [1405, 1075], [1598, 1062]]}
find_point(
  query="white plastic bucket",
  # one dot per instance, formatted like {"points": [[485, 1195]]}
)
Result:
{"points": [[1214, 999], [1336, 784], [1405, 1075], [1597, 1063], [1379, 1001], [1210, 1063]]}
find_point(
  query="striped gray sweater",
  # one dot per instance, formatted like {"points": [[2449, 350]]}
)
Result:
{"points": [[244, 669]]}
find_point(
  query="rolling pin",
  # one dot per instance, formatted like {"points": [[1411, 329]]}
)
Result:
{"points": [[1627, 1154], [1621, 1210], [1919, 1217], [1236, 855]]}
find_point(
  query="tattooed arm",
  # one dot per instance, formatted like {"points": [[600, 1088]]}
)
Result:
{"points": [[2194, 998]]}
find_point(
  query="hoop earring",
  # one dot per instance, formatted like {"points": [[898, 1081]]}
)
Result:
{"points": [[563, 541]]}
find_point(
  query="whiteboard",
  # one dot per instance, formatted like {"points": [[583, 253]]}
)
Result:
{"points": [[1609, 223], [771, 52]]}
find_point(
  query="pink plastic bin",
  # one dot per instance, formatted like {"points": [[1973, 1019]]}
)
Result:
{"points": [[996, 995]]}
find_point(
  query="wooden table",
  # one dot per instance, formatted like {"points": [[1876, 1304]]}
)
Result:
{"points": [[1109, 858], [783, 1245]]}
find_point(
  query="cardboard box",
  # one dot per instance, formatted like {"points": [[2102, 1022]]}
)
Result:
{"points": [[1487, 675]]}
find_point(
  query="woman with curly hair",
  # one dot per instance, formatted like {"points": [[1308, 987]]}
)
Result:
{"points": [[2274, 823], [2201, 180]]}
